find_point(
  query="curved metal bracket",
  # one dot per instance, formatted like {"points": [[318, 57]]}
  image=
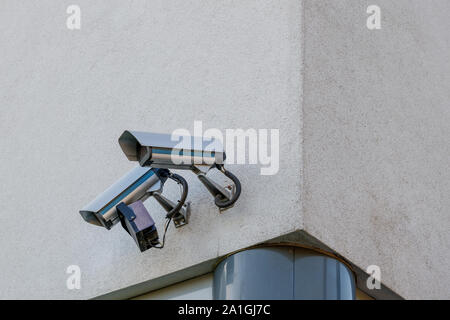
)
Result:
{"points": [[216, 190], [181, 217]]}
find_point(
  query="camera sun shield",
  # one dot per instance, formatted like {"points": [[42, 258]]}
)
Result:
{"points": [[160, 151], [130, 188]]}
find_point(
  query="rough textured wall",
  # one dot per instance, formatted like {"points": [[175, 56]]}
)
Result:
{"points": [[376, 138], [66, 96], [375, 144]]}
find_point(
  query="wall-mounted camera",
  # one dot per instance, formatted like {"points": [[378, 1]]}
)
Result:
{"points": [[156, 154], [123, 202], [189, 153]]}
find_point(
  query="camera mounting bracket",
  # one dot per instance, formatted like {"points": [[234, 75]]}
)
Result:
{"points": [[180, 217], [225, 197]]}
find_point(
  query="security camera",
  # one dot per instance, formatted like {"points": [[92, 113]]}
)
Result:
{"points": [[186, 152], [160, 151], [131, 187], [123, 202], [157, 154]]}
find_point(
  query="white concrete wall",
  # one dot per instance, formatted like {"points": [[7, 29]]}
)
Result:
{"points": [[376, 139], [366, 110], [66, 96], [199, 288]]}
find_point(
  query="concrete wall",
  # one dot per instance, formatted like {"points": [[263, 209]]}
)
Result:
{"points": [[368, 110], [376, 139], [66, 96]]}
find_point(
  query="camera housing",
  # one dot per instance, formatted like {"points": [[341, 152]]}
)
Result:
{"points": [[123, 202], [160, 151], [156, 154]]}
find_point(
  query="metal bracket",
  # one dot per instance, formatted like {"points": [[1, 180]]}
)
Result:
{"points": [[156, 188], [181, 218], [214, 188]]}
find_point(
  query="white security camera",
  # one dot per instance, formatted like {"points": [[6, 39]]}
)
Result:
{"points": [[156, 154], [189, 153], [160, 151], [130, 188], [122, 202]]}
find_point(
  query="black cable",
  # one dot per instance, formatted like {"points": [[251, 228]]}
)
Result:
{"points": [[164, 235], [180, 180], [220, 200]]}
